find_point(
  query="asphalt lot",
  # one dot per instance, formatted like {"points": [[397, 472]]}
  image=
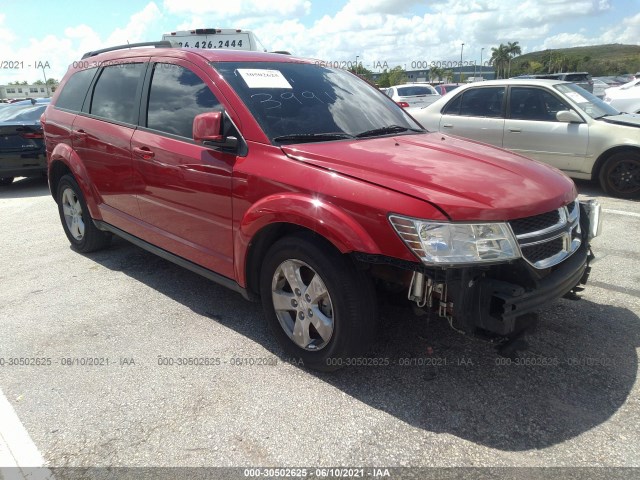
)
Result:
{"points": [[578, 408]]}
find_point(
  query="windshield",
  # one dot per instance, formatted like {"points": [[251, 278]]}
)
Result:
{"points": [[308, 102], [21, 113], [588, 103]]}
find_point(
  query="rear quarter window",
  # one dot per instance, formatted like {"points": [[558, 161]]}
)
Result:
{"points": [[75, 90]]}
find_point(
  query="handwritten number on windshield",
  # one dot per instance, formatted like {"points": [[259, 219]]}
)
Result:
{"points": [[270, 103]]}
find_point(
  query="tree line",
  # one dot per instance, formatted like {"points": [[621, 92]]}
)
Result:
{"points": [[50, 81]]}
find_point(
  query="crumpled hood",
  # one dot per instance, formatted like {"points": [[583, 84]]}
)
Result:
{"points": [[465, 179], [628, 119]]}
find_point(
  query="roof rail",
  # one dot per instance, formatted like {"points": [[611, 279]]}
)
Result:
{"points": [[163, 44]]}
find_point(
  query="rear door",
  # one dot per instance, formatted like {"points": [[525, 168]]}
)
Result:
{"points": [[102, 134], [532, 129], [186, 193], [476, 113]]}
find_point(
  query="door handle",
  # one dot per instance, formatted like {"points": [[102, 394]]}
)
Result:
{"points": [[447, 125], [80, 133], [144, 152], [515, 130]]}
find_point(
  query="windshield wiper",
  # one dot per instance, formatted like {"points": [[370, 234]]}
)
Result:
{"points": [[387, 130], [311, 137]]}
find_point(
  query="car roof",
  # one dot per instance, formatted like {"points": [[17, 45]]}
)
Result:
{"points": [[516, 81], [209, 55]]}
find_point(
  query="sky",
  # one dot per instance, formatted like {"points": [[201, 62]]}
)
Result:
{"points": [[44, 38]]}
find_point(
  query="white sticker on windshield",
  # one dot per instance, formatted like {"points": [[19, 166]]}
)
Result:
{"points": [[259, 78], [576, 97]]}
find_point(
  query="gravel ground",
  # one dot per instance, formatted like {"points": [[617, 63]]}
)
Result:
{"points": [[574, 402]]}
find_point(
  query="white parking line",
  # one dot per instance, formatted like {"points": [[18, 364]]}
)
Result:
{"points": [[17, 450], [621, 212]]}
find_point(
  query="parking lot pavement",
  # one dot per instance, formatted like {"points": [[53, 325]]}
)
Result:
{"points": [[444, 400]]}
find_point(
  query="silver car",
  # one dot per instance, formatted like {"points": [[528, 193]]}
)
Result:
{"points": [[552, 121]]}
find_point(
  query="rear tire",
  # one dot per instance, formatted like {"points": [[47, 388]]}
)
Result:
{"points": [[620, 175], [4, 181], [321, 309], [76, 221]]}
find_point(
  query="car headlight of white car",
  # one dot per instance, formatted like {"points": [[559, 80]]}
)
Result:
{"points": [[445, 243]]}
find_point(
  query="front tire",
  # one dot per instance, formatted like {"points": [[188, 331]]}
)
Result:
{"points": [[76, 221], [620, 175], [320, 308]]}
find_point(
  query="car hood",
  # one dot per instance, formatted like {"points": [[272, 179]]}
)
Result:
{"points": [[628, 119], [467, 180]]}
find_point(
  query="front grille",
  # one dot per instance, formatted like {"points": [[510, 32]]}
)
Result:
{"points": [[522, 226], [549, 238], [542, 251]]}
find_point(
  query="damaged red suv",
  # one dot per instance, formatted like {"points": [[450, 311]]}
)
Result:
{"points": [[306, 188]]}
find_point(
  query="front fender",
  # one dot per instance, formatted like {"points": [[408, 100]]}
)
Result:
{"points": [[319, 216], [65, 154]]}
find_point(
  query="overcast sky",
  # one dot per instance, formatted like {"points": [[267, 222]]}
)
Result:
{"points": [[398, 32]]}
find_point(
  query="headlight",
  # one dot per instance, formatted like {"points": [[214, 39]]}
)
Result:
{"points": [[456, 243]]}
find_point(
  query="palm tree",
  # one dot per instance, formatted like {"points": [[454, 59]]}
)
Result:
{"points": [[513, 50], [436, 73], [499, 56]]}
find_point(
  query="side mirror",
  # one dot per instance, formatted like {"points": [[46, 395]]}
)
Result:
{"points": [[568, 116], [206, 130]]}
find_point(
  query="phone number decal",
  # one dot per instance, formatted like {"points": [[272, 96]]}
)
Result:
{"points": [[214, 44]]}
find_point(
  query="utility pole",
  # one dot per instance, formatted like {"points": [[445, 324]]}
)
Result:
{"points": [[481, 62], [460, 74], [45, 82]]}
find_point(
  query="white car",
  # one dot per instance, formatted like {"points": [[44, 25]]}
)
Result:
{"points": [[552, 121], [599, 87], [413, 94], [625, 98]]}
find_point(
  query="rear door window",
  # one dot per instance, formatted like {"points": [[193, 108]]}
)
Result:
{"points": [[477, 102], [116, 92]]}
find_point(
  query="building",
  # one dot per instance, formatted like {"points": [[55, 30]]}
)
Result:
{"points": [[20, 92], [476, 73]]}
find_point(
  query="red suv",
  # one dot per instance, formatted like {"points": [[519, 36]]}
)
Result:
{"points": [[305, 187]]}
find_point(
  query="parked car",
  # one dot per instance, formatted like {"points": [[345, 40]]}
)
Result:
{"points": [[625, 98], [32, 101], [22, 151], [599, 88], [413, 94], [610, 81], [445, 88], [582, 79], [301, 186], [552, 121]]}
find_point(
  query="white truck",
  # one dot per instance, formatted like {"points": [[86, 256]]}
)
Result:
{"points": [[229, 38]]}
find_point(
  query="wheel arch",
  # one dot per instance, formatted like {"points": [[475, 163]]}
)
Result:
{"points": [[604, 156], [64, 161], [274, 218]]}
